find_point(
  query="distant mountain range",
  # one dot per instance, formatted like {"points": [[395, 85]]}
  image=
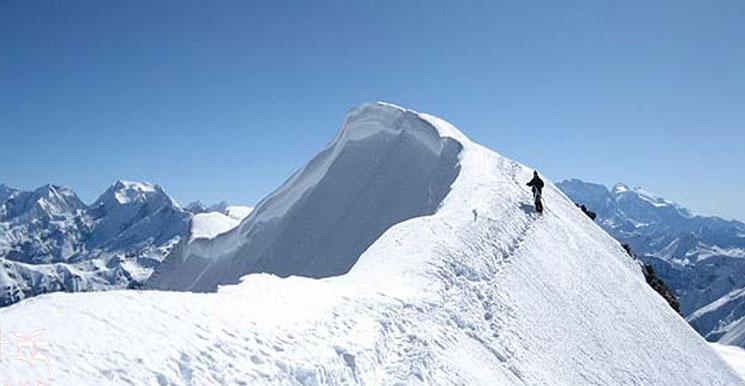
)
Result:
{"points": [[51, 241], [701, 257]]}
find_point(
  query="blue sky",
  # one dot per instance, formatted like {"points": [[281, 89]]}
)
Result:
{"points": [[223, 100]]}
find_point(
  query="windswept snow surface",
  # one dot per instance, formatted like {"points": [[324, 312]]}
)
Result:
{"points": [[467, 287]]}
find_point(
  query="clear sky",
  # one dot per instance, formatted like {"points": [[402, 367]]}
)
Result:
{"points": [[223, 100]]}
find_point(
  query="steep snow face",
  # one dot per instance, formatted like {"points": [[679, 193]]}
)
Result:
{"points": [[482, 291], [701, 258], [385, 166]]}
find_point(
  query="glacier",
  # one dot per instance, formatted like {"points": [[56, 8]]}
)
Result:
{"points": [[449, 279]]}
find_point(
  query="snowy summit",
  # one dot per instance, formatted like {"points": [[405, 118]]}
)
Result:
{"points": [[403, 253]]}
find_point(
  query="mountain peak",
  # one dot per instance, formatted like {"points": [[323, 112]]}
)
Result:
{"points": [[5, 192], [57, 199], [620, 188], [135, 185], [126, 192], [131, 210], [51, 190], [362, 122]]}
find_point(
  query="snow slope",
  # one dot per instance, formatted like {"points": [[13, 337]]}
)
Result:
{"points": [[465, 286]]}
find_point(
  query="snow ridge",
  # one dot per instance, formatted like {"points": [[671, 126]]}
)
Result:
{"points": [[468, 287], [394, 165]]}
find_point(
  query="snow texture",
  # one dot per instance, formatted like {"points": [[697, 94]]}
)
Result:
{"points": [[454, 280]]}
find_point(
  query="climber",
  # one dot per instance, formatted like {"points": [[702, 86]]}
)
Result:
{"points": [[537, 184]]}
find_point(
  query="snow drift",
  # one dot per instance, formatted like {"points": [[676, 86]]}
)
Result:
{"points": [[384, 167], [453, 281]]}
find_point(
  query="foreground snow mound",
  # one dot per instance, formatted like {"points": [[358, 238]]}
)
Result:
{"points": [[468, 288]]}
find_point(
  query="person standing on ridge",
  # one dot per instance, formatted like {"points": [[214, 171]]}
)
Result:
{"points": [[537, 184]]}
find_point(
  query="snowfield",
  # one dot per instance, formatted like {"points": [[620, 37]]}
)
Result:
{"points": [[451, 279], [209, 225]]}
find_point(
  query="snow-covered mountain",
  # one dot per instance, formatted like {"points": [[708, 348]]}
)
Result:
{"points": [[427, 267], [40, 226], [701, 257], [51, 241], [317, 227]]}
